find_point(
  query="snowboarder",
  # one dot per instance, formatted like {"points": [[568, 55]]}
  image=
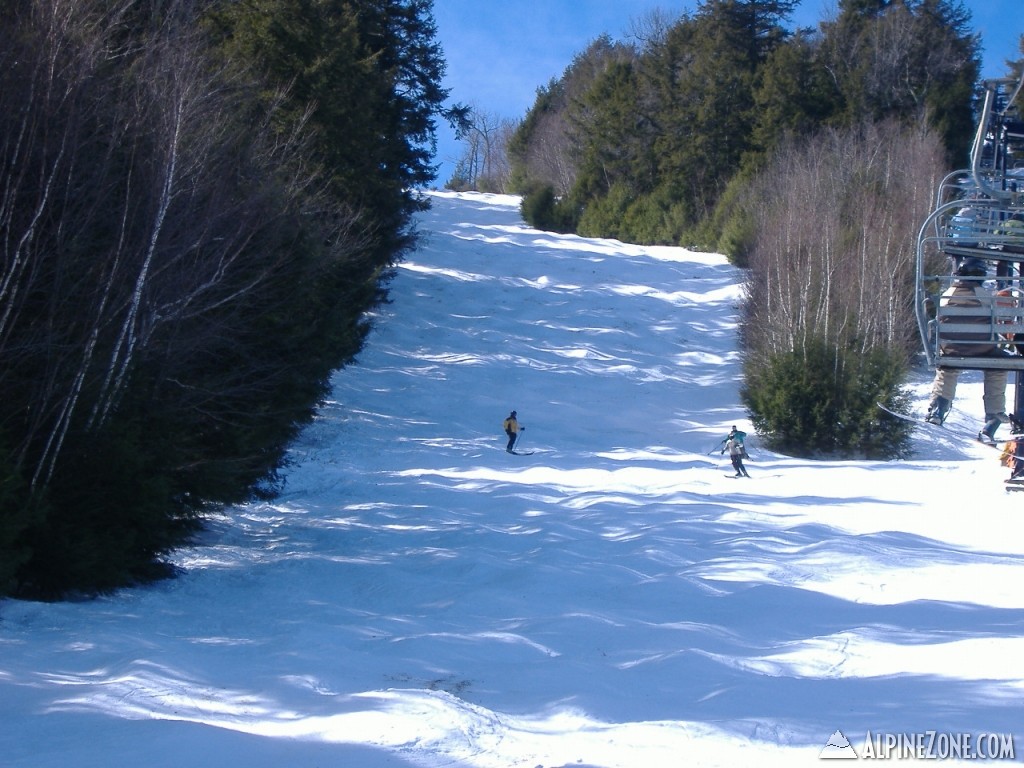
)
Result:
{"points": [[512, 428], [734, 445]]}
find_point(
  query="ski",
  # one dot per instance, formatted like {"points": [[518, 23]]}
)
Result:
{"points": [[906, 417], [522, 453], [974, 438]]}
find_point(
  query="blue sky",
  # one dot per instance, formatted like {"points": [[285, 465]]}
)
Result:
{"points": [[499, 53]]}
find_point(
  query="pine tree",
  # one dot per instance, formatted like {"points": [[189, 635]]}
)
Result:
{"points": [[792, 96], [194, 233], [910, 59]]}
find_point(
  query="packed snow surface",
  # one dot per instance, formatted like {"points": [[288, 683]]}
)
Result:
{"points": [[419, 597]]}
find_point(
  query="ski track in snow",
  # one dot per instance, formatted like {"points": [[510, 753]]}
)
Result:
{"points": [[418, 597]]}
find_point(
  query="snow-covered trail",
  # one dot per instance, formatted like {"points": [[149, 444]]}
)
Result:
{"points": [[419, 597]]}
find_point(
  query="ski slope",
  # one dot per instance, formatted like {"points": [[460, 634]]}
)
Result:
{"points": [[418, 597]]}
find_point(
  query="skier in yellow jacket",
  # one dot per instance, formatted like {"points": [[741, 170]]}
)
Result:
{"points": [[512, 428]]}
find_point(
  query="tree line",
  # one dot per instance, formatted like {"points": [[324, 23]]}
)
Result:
{"points": [[200, 203], [808, 156], [642, 139]]}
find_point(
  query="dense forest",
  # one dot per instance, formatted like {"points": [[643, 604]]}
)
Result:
{"points": [[645, 140], [200, 202], [810, 157]]}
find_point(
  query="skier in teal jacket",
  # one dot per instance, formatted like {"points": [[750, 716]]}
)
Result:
{"points": [[734, 445]]}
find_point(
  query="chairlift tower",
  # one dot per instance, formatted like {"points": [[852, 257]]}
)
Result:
{"points": [[979, 214]]}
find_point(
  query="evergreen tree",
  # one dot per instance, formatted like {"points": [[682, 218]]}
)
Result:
{"points": [[366, 75], [792, 95], [614, 141], [193, 236], [911, 59], [948, 64], [820, 401], [694, 112], [545, 149]]}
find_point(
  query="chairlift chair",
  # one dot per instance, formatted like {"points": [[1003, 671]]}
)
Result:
{"points": [[975, 218]]}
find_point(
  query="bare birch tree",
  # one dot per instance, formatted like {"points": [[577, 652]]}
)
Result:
{"points": [[837, 221], [829, 326], [484, 164]]}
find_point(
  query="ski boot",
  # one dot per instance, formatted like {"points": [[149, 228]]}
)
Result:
{"points": [[937, 410], [992, 422]]}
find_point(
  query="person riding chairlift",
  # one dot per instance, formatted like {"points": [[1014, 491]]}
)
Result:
{"points": [[967, 291]]}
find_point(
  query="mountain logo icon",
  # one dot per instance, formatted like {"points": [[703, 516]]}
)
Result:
{"points": [[838, 748]]}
